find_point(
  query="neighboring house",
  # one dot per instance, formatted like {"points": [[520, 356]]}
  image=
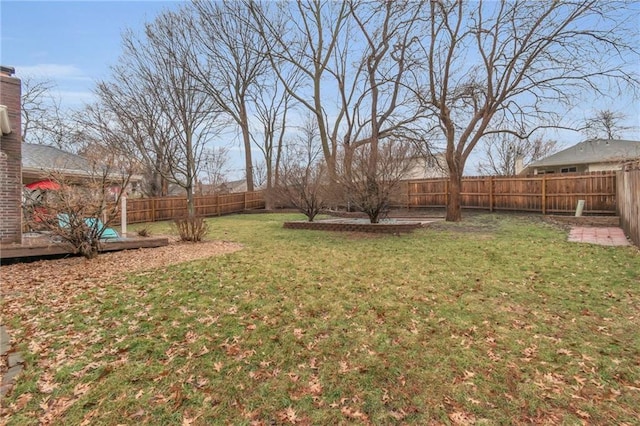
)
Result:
{"points": [[234, 186], [433, 166], [40, 161], [593, 155], [44, 161]]}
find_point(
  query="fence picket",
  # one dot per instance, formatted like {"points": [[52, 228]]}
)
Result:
{"points": [[544, 194], [628, 200], [142, 210]]}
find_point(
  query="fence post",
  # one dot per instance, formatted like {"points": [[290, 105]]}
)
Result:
{"points": [[153, 210], [446, 192], [123, 214], [544, 194], [408, 195], [491, 194], [218, 204]]}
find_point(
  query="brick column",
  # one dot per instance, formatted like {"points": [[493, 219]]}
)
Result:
{"points": [[11, 160]]}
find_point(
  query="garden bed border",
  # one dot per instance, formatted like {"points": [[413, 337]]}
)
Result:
{"points": [[377, 228]]}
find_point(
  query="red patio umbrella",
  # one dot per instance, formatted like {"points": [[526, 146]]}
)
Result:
{"points": [[44, 185]]}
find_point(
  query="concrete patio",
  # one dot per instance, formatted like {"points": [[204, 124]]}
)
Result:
{"points": [[605, 236]]}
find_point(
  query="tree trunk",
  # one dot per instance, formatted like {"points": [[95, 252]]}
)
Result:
{"points": [[191, 205], [246, 139], [454, 212], [268, 198], [455, 164], [374, 217]]}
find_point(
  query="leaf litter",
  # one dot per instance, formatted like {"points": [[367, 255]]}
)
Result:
{"points": [[60, 285]]}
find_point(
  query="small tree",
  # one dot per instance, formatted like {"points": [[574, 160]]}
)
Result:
{"points": [[372, 190], [78, 211], [303, 187], [215, 167], [606, 124], [502, 153], [303, 181]]}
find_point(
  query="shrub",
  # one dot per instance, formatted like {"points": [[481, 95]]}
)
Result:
{"points": [[191, 228], [144, 232]]}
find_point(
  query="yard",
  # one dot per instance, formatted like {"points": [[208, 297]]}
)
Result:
{"points": [[495, 320]]}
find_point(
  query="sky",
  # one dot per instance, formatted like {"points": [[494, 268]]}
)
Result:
{"points": [[73, 43]]}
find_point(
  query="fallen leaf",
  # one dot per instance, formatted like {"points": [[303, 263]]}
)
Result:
{"points": [[22, 401], [462, 418]]}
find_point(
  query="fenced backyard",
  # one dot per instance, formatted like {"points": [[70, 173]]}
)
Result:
{"points": [[604, 193], [546, 194], [140, 210]]}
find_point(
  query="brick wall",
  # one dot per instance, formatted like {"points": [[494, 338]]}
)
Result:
{"points": [[387, 228], [11, 161]]}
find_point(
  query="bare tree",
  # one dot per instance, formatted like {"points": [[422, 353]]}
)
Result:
{"points": [[37, 100], [496, 66], [307, 43], [215, 166], [43, 119], [304, 180], [606, 124], [358, 95], [162, 112], [502, 153], [130, 123], [272, 106], [384, 108], [231, 59], [374, 196], [260, 175]]}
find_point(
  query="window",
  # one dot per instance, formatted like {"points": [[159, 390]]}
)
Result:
{"points": [[568, 169]]}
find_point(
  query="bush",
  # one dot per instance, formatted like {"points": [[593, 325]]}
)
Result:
{"points": [[303, 187], [144, 232], [191, 228]]}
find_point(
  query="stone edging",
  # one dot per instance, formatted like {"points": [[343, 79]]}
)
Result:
{"points": [[14, 363], [386, 228], [584, 220]]}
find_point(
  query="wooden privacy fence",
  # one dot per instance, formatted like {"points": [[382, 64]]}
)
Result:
{"points": [[544, 193], [628, 197], [141, 210]]}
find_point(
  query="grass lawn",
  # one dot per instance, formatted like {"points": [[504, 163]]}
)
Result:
{"points": [[495, 320]]}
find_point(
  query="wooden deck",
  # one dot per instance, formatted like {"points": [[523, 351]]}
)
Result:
{"points": [[42, 246]]}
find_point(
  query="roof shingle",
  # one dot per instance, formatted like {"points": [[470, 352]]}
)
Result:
{"points": [[592, 151]]}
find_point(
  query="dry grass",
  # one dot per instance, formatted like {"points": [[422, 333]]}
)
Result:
{"points": [[502, 323]]}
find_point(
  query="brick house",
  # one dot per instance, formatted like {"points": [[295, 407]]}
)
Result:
{"points": [[10, 157]]}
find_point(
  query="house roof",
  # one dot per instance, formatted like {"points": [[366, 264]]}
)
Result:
{"points": [[41, 159], [49, 158], [592, 151]]}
